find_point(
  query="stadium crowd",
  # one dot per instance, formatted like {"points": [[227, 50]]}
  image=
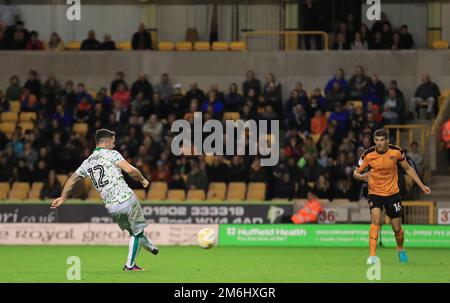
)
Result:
{"points": [[323, 132]]}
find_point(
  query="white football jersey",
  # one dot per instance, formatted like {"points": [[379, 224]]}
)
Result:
{"points": [[106, 177]]}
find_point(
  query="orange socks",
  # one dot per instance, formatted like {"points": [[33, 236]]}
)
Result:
{"points": [[373, 239], [399, 237]]}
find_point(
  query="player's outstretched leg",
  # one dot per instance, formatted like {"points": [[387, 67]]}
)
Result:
{"points": [[373, 234], [147, 244], [399, 238], [133, 250]]}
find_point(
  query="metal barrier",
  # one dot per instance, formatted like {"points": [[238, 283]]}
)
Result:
{"points": [[423, 131], [287, 35], [419, 212]]}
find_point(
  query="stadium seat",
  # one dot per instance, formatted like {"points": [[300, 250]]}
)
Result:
{"points": [[356, 103], [73, 45], [87, 183], [196, 195], [37, 186], [140, 193], [4, 186], [166, 46], [158, 186], [63, 178], [256, 191], [231, 116], [22, 186], [440, 44], [341, 202], [238, 46], [202, 46], [176, 195], [14, 106], [3, 195], [236, 191], [80, 128], [34, 194], [156, 194], [94, 195], [7, 127], [93, 94], [183, 46], [9, 117], [17, 194], [220, 46], [26, 126], [27, 117], [124, 45], [217, 191]]}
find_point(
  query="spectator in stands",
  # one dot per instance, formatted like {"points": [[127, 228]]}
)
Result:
{"points": [[393, 108], [285, 187], [427, 93], [119, 79], [358, 83], [338, 77], [3, 41], [176, 182], [23, 172], [323, 188], [30, 155], [387, 35], [28, 101], [91, 43], [218, 171], [309, 167], [51, 89], [82, 93], [35, 43], [142, 85], [197, 178], [17, 36], [33, 84], [375, 91], [445, 138], [164, 88], [340, 42], [68, 97], [310, 17], [237, 170], [366, 35], [379, 24], [378, 42], [161, 173], [415, 155], [347, 34], [55, 43], [4, 105], [52, 187], [194, 93], [311, 211], [359, 43], [334, 96], [64, 117], [318, 123], [107, 44], [83, 110], [257, 173], [406, 39], [9, 14], [395, 41], [122, 95], [154, 128], [141, 39], [217, 105], [233, 100], [299, 120], [251, 83], [14, 90]]}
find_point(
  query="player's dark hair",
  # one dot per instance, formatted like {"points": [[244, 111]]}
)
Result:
{"points": [[381, 133], [103, 133]]}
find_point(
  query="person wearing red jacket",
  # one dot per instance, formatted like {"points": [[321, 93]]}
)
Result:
{"points": [[310, 212]]}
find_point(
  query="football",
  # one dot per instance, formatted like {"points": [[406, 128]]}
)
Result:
{"points": [[206, 238]]}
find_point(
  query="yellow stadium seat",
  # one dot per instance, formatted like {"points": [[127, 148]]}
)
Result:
{"points": [[4, 186], [202, 46], [7, 127], [231, 116], [256, 191], [62, 179], [34, 194], [14, 106], [158, 186], [80, 128], [124, 45], [3, 195], [156, 194], [196, 195], [87, 183], [217, 191], [176, 195], [94, 195], [9, 117], [140, 193], [23, 186], [218, 186], [440, 44], [17, 194], [356, 103], [238, 46], [236, 191], [183, 46], [220, 46], [27, 117], [37, 186], [73, 45], [166, 46], [26, 126]]}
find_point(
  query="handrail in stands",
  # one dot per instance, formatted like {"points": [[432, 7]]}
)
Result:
{"points": [[285, 33]]}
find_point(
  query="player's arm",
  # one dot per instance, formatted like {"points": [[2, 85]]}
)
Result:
{"points": [[412, 173], [66, 190], [359, 173], [133, 172]]}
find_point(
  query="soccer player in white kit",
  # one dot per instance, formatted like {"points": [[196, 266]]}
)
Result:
{"points": [[104, 166]]}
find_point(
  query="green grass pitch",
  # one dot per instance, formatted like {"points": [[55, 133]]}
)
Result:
{"points": [[220, 264]]}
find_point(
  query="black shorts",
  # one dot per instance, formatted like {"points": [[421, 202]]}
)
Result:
{"points": [[392, 204]]}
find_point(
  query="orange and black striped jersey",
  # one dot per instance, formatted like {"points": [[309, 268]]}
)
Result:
{"points": [[383, 179]]}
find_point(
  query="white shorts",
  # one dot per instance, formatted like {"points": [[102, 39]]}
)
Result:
{"points": [[128, 215]]}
